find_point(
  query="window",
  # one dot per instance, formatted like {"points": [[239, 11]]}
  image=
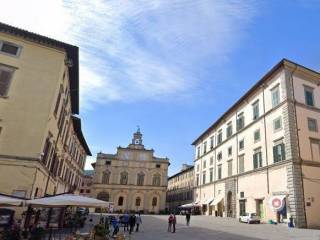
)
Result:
{"points": [[198, 152], [120, 201], [198, 168], [156, 180], [56, 108], [308, 94], [204, 164], [88, 191], [124, 178], [312, 125], [140, 179], [229, 168], [241, 164], [9, 48], [275, 96], [81, 191], [138, 202], [108, 162], [154, 201], [211, 142], [219, 171], [105, 177], [229, 151], [197, 179], [255, 110], [158, 165], [211, 160], [219, 140], [241, 144], [279, 152], [256, 135], [204, 147], [203, 177], [229, 130], [240, 121], [257, 159], [219, 156], [315, 150], [277, 124], [242, 207], [211, 174], [5, 80]]}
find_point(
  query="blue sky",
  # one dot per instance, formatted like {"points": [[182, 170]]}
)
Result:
{"points": [[172, 67]]}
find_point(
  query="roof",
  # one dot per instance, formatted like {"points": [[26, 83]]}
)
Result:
{"points": [[279, 65], [77, 128], [72, 54], [181, 172]]}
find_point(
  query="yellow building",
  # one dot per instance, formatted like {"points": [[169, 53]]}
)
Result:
{"points": [[133, 178], [42, 148]]}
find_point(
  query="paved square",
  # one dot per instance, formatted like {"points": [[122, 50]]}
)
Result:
{"points": [[207, 227]]}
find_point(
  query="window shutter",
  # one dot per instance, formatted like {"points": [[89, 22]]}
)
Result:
{"points": [[283, 153], [4, 82], [255, 162], [275, 155]]}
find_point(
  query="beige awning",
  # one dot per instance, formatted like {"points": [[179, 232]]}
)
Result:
{"points": [[12, 201], [68, 200], [218, 199], [208, 201]]}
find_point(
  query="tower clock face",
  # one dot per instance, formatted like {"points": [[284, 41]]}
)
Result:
{"points": [[137, 141]]}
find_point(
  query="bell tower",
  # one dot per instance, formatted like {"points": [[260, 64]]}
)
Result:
{"points": [[137, 140]]}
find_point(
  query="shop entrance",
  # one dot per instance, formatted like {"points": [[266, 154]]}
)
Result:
{"points": [[259, 207], [229, 205]]}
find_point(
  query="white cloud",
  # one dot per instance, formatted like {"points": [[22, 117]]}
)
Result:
{"points": [[137, 50]]}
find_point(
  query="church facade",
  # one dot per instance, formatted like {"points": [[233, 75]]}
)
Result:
{"points": [[133, 178]]}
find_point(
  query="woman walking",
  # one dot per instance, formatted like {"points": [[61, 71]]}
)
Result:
{"points": [[170, 220]]}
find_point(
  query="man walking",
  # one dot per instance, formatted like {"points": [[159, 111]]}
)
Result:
{"points": [[188, 216], [126, 221], [132, 222], [174, 222], [138, 221]]}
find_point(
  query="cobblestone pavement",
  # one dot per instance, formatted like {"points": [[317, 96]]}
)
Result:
{"points": [[207, 227]]}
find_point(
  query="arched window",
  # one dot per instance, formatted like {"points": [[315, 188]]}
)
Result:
{"points": [[156, 180], [104, 196], [138, 201], [124, 178], [120, 201], [140, 179], [105, 177], [154, 201]]}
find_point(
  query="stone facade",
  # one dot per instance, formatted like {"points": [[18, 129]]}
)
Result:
{"points": [[133, 178], [273, 155], [42, 148]]}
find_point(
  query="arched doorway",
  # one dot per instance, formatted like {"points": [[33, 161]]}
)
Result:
{"points": [[229, 205]]}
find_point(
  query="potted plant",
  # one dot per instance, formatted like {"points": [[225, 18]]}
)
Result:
{"points": [[100, 232]]}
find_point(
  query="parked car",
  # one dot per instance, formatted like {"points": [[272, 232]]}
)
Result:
{"points": [[249, 218]]}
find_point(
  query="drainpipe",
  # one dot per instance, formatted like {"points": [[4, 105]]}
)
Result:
{"points": [[265, 137]]}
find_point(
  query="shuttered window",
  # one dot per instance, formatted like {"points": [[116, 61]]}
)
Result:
{"points": [[279, 153], [5, 80], [257, 159]]}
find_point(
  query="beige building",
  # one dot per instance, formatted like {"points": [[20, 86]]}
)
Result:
{"points": [[263, 154], [42, 148], [86, 184], [133, 178], [180, 188]]}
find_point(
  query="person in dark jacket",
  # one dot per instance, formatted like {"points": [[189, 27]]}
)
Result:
{"points": [[174, 222], [188, 216], [132, 222]]}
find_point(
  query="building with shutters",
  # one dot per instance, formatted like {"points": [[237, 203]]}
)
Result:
{"points": [[132, 178], [263, 155], [180, 188], [42, 148]]}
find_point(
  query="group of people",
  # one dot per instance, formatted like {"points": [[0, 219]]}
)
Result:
{"points": [[172, 221], [129, 221]]}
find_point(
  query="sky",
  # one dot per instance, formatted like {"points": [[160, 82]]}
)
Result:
{"points": [[172, 67]]}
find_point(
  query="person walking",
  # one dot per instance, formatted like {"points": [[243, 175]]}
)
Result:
{"points": [[115, 225], [174, 222], [126, 221], [138, 221], [132, 222], [170, 220], [188, 216]]}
